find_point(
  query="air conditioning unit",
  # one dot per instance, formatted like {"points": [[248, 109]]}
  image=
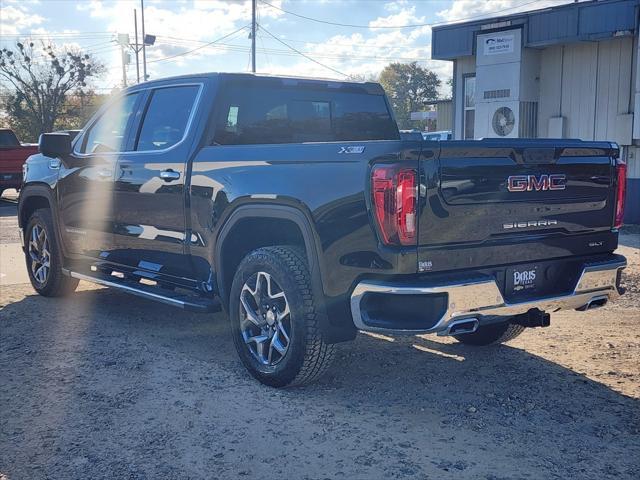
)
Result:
{"points": [[507, 120], [506, 87]]}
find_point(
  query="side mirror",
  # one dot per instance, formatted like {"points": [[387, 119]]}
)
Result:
{"points": [[55, 144]]}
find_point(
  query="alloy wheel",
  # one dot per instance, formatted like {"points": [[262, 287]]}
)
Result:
{"points": [[265, 319], [39, 254]]}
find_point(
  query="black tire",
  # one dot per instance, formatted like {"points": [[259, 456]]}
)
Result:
{"points": [[491, 334], [307, 356], [54, 283]]}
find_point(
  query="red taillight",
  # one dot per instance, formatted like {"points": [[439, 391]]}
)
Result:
{"points": [[621, 171], [394, 192]]}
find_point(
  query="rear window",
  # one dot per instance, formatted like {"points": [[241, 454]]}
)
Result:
{"points": [[8, 139], [272, 115]]}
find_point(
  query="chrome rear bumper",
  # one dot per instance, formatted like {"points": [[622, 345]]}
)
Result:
{"points": [[482, 298]]}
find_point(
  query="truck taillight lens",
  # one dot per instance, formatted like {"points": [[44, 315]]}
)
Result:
{"points": [[621, 172], [394, 197]]}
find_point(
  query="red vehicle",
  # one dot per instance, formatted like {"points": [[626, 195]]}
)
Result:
{"points": [[12, 156]]}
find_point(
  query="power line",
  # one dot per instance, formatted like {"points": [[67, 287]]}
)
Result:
{"points": [[336, 56], [332, 44], [101, 32], [200, 47], [416, 25], [302, 54]]}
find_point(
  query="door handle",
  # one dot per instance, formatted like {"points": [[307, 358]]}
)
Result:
{"points": [[169, 175], [105, 173]]}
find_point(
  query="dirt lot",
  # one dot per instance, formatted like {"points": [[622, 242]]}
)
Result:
{"points": [[104, 385]]}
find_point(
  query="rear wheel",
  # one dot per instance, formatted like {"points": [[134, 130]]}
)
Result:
{"points": [[491, 334], [43, 257], [274, 322]]}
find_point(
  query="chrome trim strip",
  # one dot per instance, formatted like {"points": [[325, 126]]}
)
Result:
{"points": [[126, 288], [483, 298]]}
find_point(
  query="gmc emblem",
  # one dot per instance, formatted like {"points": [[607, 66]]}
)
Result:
{"points": [[528, 183]]}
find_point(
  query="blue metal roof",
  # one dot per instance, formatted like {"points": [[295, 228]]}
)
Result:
{"points": [[572, 22]]}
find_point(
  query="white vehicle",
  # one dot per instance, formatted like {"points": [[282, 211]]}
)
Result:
{"points": [[440, 135]]}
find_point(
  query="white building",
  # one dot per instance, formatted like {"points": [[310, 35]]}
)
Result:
{"points": [[571, 71]]}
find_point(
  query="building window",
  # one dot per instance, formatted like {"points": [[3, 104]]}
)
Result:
{"points": [[469, 94]]}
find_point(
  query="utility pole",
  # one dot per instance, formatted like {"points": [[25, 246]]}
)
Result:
{"points": [[124, 67], [144, 51], [123, 41], [253, 36], [135, 21]]}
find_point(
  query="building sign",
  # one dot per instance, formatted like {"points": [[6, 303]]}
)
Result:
{"points": [[499, 44]]}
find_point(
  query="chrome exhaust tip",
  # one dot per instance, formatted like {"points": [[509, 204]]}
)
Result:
{"points": [[459, 327], [595, 302]]}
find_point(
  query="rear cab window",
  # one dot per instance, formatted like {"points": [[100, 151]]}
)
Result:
{"points": [[253, 113], [8, 139]]}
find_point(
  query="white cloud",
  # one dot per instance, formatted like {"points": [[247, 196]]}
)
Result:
{"points": [[464, 9], [16, 18], [369, 52], [404, 16], [366, 54], [178, 26], [395, 6]]}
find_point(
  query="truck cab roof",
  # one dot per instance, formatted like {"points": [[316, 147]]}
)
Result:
{"points": [[370, 87]]}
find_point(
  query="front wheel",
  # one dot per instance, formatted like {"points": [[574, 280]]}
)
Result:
{"points": [[274, 321], [43, 257], [491, 334]]}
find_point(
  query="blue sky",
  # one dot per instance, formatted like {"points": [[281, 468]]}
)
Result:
{"points": [[185, 25]]}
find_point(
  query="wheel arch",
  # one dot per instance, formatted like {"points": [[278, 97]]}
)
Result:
{"points": [[243, 215], [33, 197]]}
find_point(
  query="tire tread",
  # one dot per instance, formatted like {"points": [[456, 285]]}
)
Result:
{"points": [[59, 285], [318, 355]]}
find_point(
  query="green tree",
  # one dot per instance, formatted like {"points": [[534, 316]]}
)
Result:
{"points": [[40, 82], [409, 86]]}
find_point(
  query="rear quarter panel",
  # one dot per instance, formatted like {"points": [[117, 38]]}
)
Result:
{"points": [[331, 189]]}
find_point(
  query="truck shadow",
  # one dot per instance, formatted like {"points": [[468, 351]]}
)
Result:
{"points": [[110, 376]]}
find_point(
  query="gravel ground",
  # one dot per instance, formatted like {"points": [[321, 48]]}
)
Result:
{"points": [[104, 385]]}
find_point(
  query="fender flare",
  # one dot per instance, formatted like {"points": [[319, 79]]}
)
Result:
{"points": [[284, 212], [31, 190], [330, 333]]}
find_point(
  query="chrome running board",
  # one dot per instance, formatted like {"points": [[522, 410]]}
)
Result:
{"points": [[157, 294]]}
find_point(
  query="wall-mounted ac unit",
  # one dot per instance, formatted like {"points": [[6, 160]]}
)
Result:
{"points": [[507, 120], [506, 87]]}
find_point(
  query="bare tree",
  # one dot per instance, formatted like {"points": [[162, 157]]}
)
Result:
{"points": [[40, 81]]}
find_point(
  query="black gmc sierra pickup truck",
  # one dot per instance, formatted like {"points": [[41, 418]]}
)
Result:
{"points": [[294, 205]]}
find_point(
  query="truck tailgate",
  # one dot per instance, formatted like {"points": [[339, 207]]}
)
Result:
{"points": [[12, 158], [497, 202]]}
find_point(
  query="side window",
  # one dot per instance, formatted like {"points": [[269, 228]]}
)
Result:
{"points": [[166, 118], [254, 115], [363, 117], [253, 119], [108, 133], [311, 121]]}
